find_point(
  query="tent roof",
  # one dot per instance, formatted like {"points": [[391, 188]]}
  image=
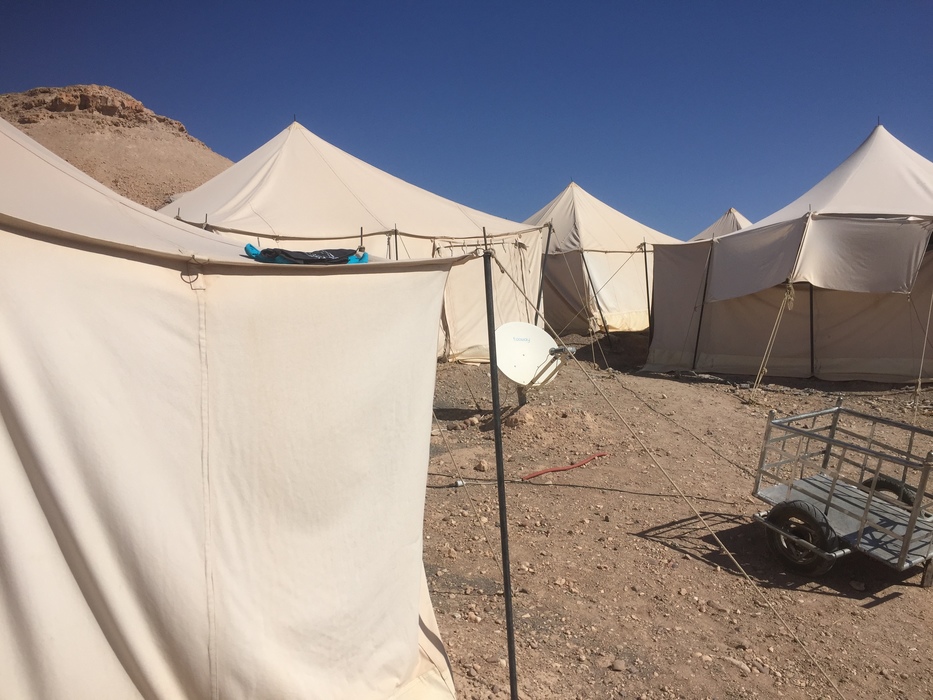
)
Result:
{"points": [[882, 176], [729, 222], [582, 222], [299, 186], [42, 193]]}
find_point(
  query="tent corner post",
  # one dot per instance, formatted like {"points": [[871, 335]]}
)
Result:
{"points": [[500, 471], [644, 249], [544, 256]]}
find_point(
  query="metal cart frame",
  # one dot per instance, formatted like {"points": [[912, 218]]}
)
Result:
{"points": [[841, 481]]}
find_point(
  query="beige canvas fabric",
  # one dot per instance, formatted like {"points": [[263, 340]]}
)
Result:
{"points": [[860, 241], [730, 222], [212, 485], [596, 273], [300, 192], [882, 176]]}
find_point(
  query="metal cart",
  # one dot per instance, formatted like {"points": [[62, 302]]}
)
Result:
{"points": [[841, 481]]}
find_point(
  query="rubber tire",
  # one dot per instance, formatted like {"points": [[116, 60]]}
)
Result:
{"points": [[901, 491], [805, 521]]}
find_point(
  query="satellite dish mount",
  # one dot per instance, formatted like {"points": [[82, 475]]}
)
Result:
{"points": [[528, 356]]}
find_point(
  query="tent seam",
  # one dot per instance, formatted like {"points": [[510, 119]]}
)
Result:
{"points": [[199, 289]]}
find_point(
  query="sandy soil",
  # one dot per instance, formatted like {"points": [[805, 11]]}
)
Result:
{"points": [[620, 589]]}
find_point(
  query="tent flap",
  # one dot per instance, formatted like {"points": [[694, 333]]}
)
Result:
{"points": [[862, 254]]}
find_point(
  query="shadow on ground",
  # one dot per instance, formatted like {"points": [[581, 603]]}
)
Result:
{"points": [[856, 576], [624, 352]]}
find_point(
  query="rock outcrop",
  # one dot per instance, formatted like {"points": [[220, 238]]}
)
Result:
{"points": [[115, 139]]}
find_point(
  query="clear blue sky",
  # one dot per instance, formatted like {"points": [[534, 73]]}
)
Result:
{"points": [[671, 112]]}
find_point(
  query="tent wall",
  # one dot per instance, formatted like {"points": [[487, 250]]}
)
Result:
{"points": [[515, 292], [567, 294], [186, 510], [877, 337], [856, 335], [621, 288], [680, 281], [735, 332], [462, 332], [587, 291]]}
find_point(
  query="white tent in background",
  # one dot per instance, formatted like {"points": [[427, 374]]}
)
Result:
{"points": [[841, 278], [185, 511], [297, 191], [596, 271], [729, 222]]}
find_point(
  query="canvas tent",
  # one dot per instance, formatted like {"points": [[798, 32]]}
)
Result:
{"points": [[298, 191], [597, 273], [729, 222], [835, 285], [187, 510]]}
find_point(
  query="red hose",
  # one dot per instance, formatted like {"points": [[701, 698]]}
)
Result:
{"points": [[563, 469]]}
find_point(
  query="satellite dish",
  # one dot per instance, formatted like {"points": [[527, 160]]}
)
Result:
{"points": [[526, 354]]}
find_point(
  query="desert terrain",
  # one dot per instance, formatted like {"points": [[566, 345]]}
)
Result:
{"points": [[637, 575], [620, 588], [115, 139]]}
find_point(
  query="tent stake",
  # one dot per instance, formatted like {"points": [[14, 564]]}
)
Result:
{"points": [[500, 472]]}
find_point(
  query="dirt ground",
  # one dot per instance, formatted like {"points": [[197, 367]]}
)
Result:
{"points": [[620, 589]]}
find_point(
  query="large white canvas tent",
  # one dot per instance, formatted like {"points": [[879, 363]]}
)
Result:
{"points": [[597, 270], [208, 487], [729, 222], [298, 191], [835, 285]]}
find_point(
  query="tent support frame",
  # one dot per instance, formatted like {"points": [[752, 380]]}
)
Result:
{"points": [[500, 472], [696, 345], [812, 334], [544, 257], [644, 249]]}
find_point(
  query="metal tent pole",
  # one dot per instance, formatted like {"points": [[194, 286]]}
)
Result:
{"points": [[812, 335], [500, 472], [644, 248], [709, 264], [544, 257]]}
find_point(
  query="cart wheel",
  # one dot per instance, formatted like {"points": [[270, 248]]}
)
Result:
{"points": [[901, 491], [804, 521]]}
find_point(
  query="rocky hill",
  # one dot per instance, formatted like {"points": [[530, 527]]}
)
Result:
{"points": [[115, 139]]}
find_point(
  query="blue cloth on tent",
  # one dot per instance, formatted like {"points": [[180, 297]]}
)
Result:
{"points": [[333, 256]]}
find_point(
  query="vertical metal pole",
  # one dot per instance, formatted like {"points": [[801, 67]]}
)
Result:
{"points": [[644, 248], [812, 337], [544, 256], [709, 264], [500, 473]]}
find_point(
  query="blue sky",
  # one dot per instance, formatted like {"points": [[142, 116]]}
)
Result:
{"points": [[671, 112]]}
